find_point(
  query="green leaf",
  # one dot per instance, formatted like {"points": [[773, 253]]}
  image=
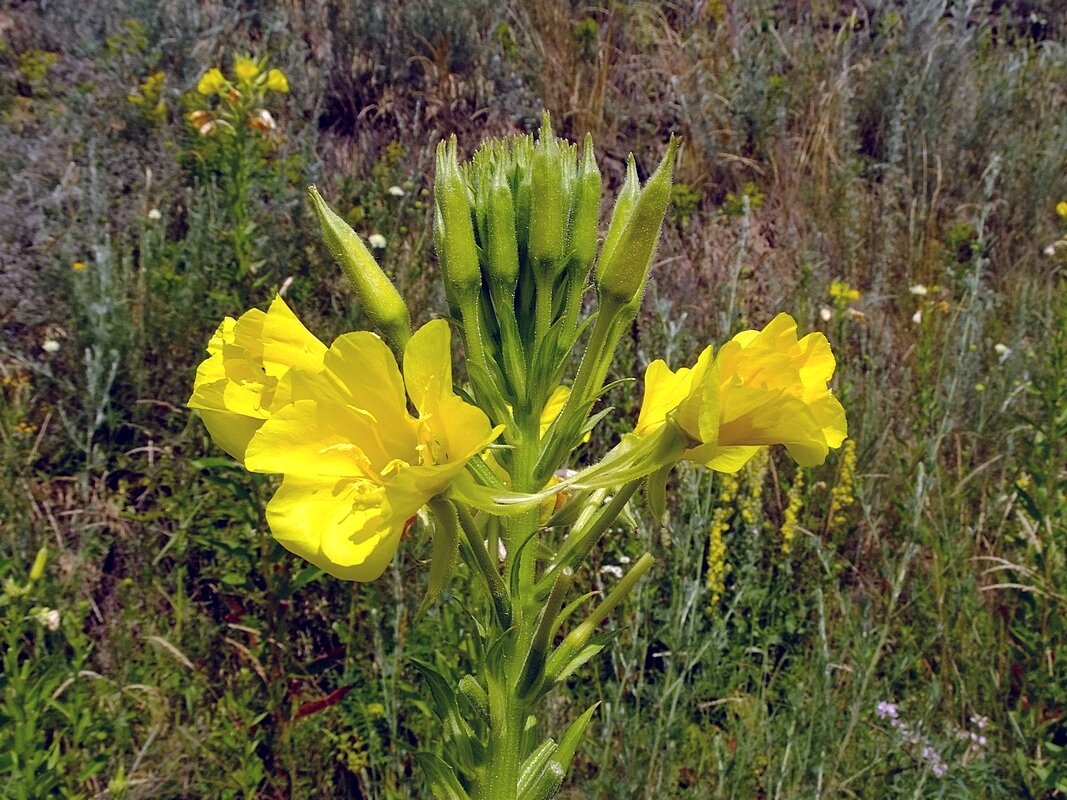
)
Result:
{"points": [[592, 647], [568, 745], [443, 554], [468, 750], [442, 778], [656, 491], [534, 765]]}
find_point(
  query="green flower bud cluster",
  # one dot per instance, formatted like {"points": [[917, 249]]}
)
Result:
{"points": [[516, 231]]}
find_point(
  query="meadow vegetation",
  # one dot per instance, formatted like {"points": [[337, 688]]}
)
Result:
{"points": [[890, 624]]}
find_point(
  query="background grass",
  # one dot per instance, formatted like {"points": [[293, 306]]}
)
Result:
{"points": [[828, 148]]}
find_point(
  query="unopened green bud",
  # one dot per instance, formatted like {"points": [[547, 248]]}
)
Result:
{"points": [[455, 243], [548, 206], [624, 269], [586, 210], [380, 299], [39, 563], [502, 266], [620, 215]]}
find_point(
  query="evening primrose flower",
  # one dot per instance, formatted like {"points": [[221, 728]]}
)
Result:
{"points": [[211, 82], [245, 68], [241, 383], [356, 465], [764, 387], [277, 82]]}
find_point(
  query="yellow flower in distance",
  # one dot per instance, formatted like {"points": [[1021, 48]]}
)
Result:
{"points": [[241, 383], [277, 82], [211, 82], [356, 464], [764, 387], [246, 69]]}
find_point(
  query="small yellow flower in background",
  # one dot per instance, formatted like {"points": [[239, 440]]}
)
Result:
{"points": [[764, 387], [794, 505], [355, 464], [839, 290], [244, 68], [842, 496], [1061, 209], [718, 566], [79, 266], [238, 387], [212, 82], [277, 82]]}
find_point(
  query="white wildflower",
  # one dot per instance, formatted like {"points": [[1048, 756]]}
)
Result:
{"points": [[396, 191], [611, 569], [155, 215], [917, 317], [918, 290], [826, 314], [50, 346], [377, 241]]}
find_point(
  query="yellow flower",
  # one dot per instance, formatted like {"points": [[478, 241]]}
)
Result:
{"points": [[839, 290], [244, 380], [79, 266], [245, 68], [212, 82], [1061, 209], [276, 81], [763, 388], [356, 464]]}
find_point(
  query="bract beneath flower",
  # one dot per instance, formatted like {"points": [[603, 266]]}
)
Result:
{"points": [[241, 383], [356, 464], [764, 387]]}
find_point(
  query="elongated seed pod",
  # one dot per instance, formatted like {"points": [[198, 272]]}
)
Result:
{"points": [[455, 243], [502, 265], [620, 215], [623, 271], [586, 211], [380, 299]]}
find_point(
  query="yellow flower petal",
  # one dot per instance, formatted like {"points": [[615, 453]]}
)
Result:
{"points": [[340, 526], [241, 380]]}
